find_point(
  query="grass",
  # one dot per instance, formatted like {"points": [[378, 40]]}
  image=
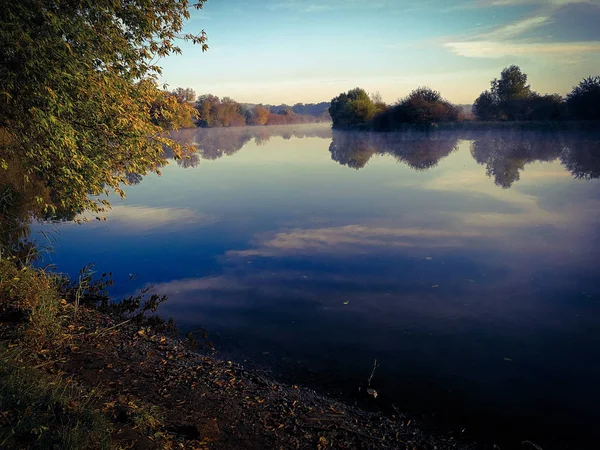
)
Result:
{"points": [[44, 411], [39, 406], [39, 409]]}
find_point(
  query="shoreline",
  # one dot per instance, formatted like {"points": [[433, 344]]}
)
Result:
{"points": [[146, 387], [474, 125]]}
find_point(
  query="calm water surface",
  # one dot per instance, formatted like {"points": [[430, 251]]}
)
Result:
{"points": [[466, 264]]}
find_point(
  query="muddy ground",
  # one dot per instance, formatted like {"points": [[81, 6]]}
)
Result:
{"points": [[204, 402]]}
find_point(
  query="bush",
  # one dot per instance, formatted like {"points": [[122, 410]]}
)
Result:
{"points": [[583, 102], [354, 107], [422, 107]]}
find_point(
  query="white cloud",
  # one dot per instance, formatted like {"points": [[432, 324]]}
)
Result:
{"points": [[517, 28], [508, 39], [555, 3], [498, 49]]}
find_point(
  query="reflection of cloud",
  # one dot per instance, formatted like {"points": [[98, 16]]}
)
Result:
{"points": [[353, 239], [220, 283], [145, 217]]}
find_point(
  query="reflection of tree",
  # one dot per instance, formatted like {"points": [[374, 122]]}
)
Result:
{"points": [[418, 150], [19, 205], [351, 149], [423, 152], [214, 143], [582, 158], [505, 155], [189, 161]]}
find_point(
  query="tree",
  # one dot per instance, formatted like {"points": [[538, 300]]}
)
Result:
{"points": [[260, 115], [486, 106], [207, 105], [184, 94], [583, 102], [510, 91], [545, 107], [171, 111], [352, 108], [512, 85], [511, 98], [77, 86]]}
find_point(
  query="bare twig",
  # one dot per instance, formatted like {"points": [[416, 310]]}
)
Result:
{"points": [[375, 366], [106, 330]]}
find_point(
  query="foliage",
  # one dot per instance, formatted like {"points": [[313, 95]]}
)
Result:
{"points": [[171, 111], [426, 106], [32, 296], [583, 102], [260, 115], [184, 94], [422, 107], [352, 108], [318, 110], [79, 102], [511, 98], [512, 85], [486, 106], [545, 107], [214, 112]]}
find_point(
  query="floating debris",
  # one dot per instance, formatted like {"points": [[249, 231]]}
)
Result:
{"points": [[372, 392]]}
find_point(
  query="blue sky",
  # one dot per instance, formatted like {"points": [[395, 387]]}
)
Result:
{"points": [[289, 51]]}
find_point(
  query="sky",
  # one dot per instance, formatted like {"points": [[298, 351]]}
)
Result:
{"points": [[308, 51]]}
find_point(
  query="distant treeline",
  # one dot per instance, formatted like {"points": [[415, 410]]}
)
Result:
{"points": [[504, 152], [319, 110], [212, 111], [509, 99]]}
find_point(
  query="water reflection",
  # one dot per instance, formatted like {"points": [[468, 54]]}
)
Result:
{"points": [[503, 154], [419, 259], [582, 158], [419, 151], [504, 157], [216, 143]]}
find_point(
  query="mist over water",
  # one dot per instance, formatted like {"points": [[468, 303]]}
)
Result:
{"points": [[466, 264]]}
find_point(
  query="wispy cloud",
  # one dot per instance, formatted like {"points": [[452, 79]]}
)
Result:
{"points": [[330, 5], [516, 28], [498, 49], [556, 3], [515, 39]]}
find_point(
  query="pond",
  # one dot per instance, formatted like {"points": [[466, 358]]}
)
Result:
{"points": [[466, 264]]}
